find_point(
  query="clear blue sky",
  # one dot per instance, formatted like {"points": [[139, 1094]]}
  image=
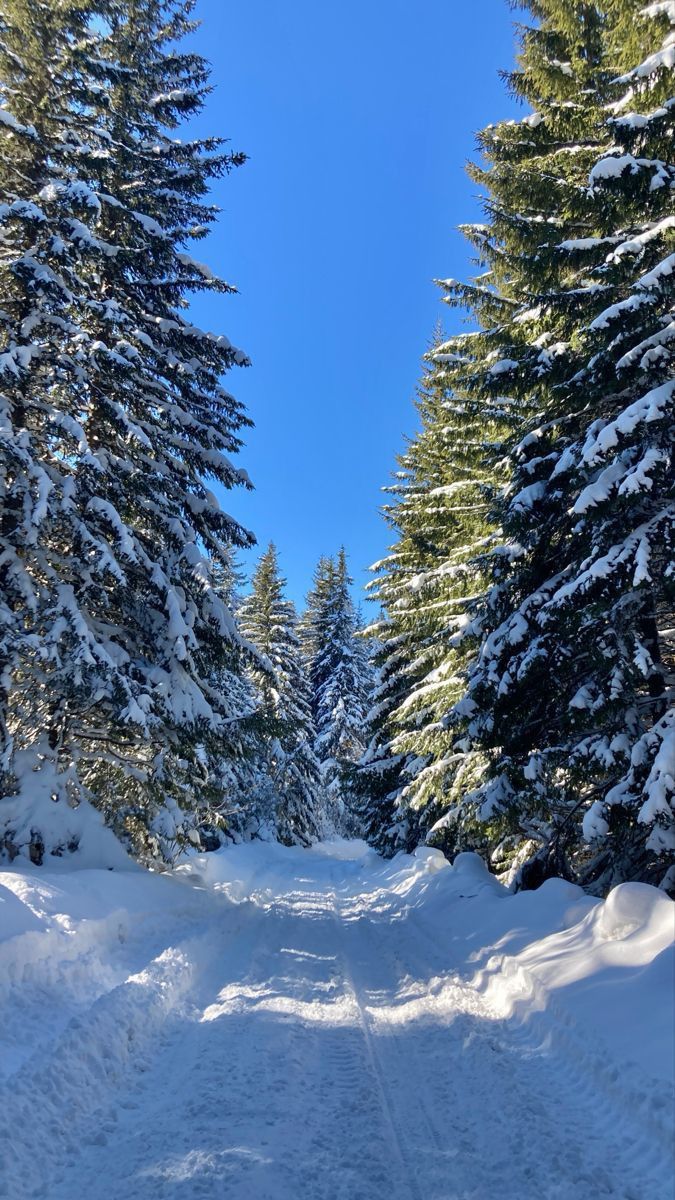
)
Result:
{"points": [[358, 119]]}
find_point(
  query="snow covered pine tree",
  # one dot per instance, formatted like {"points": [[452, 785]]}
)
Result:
{"points": [[339, 673], [290, 777], [412, 773], [113, 418], [568, 694]]}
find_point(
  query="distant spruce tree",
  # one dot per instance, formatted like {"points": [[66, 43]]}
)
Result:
{"points": [[290, 777], [312, 627], [339, 674], [114, 421]]}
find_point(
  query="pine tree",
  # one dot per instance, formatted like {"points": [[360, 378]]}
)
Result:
{"points": [[414, 774], [114, 418], [377, 780], [236, 756], [312, 627], [566, 697], [292, 780], [339, 678]]}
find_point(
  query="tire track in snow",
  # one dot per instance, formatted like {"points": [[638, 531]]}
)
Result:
{"points": [[422, 1145], [262, 1092], [349, 1093], [396, 1129]]}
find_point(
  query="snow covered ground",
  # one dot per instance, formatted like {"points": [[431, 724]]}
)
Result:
{"points": [[280, 1024]]}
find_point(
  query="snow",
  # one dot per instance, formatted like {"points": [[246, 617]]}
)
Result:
{"points": [[273, 1022], [653, 279], [10, 122], [175, 96], [613, 167], [633, 120], [503, 366], [75, 190], [601, 488], [199, 267], [565, 67], [586, 243], [663, 60], [649, 349], [630, 304], [636, 244], [661, 8], [149, 224], [651, 407], [527, 496], [661, 782]]}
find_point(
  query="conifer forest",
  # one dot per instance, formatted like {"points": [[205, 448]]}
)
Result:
{"points": [[369, 897]]}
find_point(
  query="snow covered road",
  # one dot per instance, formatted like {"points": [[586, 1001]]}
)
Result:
{"points": [[290, 1025]]}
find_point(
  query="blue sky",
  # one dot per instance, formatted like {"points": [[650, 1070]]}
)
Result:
{"points": [[358, 119]]}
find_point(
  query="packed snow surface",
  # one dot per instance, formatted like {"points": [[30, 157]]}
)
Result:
{"points": [[280, 1024]]}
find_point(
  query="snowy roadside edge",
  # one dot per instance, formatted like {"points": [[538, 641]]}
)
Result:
{"points": [[47, 1107]]}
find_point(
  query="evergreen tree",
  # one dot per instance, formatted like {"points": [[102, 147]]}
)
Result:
{"points": [[377, 780], [566, 697], [312, 626], [114, 418], [338, 674], [292, 784], [413, 774], [339, 678], [237, 759], [548, 642]]}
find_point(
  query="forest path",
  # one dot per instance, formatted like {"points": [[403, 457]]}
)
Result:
{"points": [[323, 1050]]}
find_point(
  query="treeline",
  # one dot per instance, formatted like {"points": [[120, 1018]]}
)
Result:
{"points": [[524, 701]]}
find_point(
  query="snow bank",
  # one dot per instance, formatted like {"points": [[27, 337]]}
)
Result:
{"points": [[87, 981], [591, 981], [67, 937], [604, 966], [608, 970], [55, 1092], [347, 849]]}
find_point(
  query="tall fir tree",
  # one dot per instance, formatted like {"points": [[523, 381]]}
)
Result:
{"points": [[114, 419], [443, 492], [561, 722], [291, 777], [566, 697], [338, 674]]}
